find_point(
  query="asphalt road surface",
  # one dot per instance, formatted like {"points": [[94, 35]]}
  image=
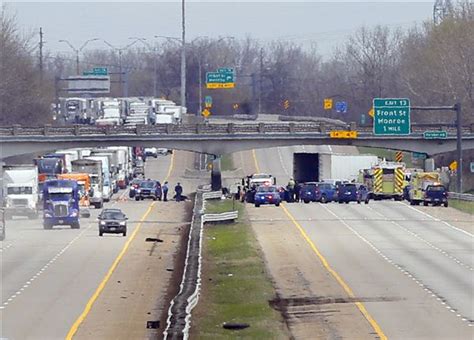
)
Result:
{"points": [[47, 276], [413, 272]]}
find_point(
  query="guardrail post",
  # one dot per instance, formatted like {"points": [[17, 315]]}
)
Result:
{"points": [[138, 130], [230, 128], [76, 129], [169, 128], [107, 129], [16, 129], [322, 127], [291, 128], [261, 127], [352, 126], [198, 128], [46, 129]]}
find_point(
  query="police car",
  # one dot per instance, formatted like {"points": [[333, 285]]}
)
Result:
{"points": [[267, 194]]}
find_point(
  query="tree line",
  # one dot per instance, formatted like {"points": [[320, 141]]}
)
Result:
{"points": [[430, 64]]}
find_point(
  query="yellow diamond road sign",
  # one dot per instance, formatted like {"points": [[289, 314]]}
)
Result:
{"points": [[453, 166], [371, 112], [206, 113], [343, 134], [328, 104]]}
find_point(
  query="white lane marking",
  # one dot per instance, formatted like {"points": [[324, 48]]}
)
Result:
{"points": [[400, 268], [426, 242], [6, 247], [282, 163], [437, 219], [42, 270]]}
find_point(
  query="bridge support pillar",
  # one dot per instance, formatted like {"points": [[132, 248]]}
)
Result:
{"points": [[216, 176], [429, 164]]}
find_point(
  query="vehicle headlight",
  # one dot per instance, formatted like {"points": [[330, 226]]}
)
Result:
{"points": [[102, 223], [123, 223], [138, 190], [74, 213]]}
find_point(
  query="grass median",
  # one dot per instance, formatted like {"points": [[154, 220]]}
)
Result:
{"points": [[464, 206], [235, 286]]}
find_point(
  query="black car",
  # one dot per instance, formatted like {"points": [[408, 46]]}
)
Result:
{"points": [[148, 189], [347, 192], [112, 221], [436, 195]]}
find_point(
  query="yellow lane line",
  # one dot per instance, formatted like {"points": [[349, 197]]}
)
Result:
{"points": [[326, 265], [338, 278], [112, 268]]}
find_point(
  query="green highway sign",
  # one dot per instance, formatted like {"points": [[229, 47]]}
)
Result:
{"points": [[96, 71], [225, 70], [435, 134], [218, 77], [391, 116]]}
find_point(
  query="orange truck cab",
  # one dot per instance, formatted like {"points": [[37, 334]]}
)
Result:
{"points": [[84, 185]]}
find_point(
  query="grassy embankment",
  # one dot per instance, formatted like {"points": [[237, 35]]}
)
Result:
{"points": [[235, 286]]}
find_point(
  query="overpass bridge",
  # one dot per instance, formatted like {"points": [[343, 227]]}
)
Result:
{"points": [[219, 138]]}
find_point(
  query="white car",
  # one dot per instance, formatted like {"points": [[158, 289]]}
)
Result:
{"points": [[151, 152]]}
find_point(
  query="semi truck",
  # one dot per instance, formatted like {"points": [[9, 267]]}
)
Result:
{"points": [[123, 164], [49, 167], [107, 191], [94, 169], [84, 188], [68, 156], [60, 203], [113, 165], [316, 167], [20, 188]]}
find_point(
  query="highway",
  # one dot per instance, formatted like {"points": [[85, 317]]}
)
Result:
{"points": [[412, 272], [48, 276]]}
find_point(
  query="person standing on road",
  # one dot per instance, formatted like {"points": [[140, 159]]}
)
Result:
{"points": [[165, 191], [178, 190], [291, 189]]}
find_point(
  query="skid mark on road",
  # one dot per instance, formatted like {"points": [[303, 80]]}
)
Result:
{"points": [[430, 292], [43, 269]]}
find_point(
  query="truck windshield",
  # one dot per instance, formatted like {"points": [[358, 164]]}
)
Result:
{"points": [[60, 196], [20, 191], [48, 166]]}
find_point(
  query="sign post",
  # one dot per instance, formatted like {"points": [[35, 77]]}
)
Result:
{"points": [[391, 116]]}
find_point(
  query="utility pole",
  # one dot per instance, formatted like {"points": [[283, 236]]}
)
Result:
{"points": [[457, 107], [260, 87], [41, 43], [183, 57]]}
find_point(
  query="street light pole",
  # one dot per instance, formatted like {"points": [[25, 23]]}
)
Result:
{"points": [[183, 57], [120, 50], [78, 50], [155, 55]]}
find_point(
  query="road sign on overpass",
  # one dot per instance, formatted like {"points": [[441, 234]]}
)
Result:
{"points": [[391, 116], [435, 135]]}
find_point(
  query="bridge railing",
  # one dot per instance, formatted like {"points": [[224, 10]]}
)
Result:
{"points": [[201, 128]]}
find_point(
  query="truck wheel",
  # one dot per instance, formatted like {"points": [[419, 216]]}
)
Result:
{"points": [[324, 199], [347, 202], [154, 198], [101, 234], [340, 202], [366, 201], [257, 205], [412, 202], [446, 204], [358, 201], [124, 233], [425, 204], [137, 198], [277, 204], [306, 200]]}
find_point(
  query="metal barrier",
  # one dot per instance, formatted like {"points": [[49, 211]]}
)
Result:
{"points": [[226, 216], [212, 195], [461, 197]]}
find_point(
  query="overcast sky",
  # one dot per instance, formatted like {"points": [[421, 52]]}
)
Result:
{"points": [[325, 23]]}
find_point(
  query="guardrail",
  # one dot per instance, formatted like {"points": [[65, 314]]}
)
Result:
{"points": [[462, 197], [211, 195], [202, 128], [226, 216]]}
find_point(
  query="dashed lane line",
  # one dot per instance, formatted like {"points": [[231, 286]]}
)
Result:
{"points": [[100, 288], [410, 275]]}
